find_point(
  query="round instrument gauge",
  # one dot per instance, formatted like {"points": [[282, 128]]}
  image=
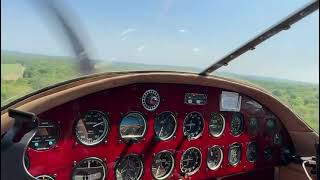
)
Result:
{"points": [[214, 157], [165, 125], [190, 161], [271, 125], [237, 124], [267, 153], [253, 126], [150, 100], [46, 137], [277, 138], [216, 124], [162, 165], [133, 127], [89, 168], [193, 125], [44, 177], [129, 167], [234, 155], [91, 128], [252, 151]]}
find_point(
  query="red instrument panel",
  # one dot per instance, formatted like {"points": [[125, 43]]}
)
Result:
{"points": [[66, 153]]}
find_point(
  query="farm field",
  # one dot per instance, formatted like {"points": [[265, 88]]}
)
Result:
{"points": [[24, 73]]}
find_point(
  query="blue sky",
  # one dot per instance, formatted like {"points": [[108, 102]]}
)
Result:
{"points": [[176, 32]]}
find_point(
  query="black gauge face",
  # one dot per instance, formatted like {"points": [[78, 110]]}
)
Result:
{"points": [[165, 125], [92, 128], [44, 177], [216, 124], [190, 161], [234, 155], [89, 168], [193, 125], [277, 138], [26, 161], [267, 153], [271, 125], [253, 126], [252, 151], [162, 165], [214, 157], [133, 127], [150, 100], [237, 124], [129, 167], [46, 137]]}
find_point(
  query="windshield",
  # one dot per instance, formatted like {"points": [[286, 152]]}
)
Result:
{"points": [[166, 35]]}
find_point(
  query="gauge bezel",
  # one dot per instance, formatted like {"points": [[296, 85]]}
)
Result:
{"points": [[223, 127], [220, 161], [230, 146], [175, 123], [195, 170], [105, 133], [44, 175], [172, 165], [144, 131], [105, 169], [267, 129], [200, 134], [256, 132], [143, 100], [247, 151], [58, 136], [131, 154], [243, 124]]}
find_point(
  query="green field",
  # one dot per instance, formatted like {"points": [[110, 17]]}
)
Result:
{"points": [[11, 71], [32, 72]]}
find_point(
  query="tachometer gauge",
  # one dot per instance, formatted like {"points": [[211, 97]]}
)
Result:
{"points": [[165, 125], [234, 155], [253, 126], [214, 157], [92, 128], [44, 177], [89, 168], [252, 151], [133, 127], [237, 124], [277, 138], [216, 124], [46, 136], [190, 161], [193, 125], [129, 167], [162, 165], [150, 100], [271, 125]]}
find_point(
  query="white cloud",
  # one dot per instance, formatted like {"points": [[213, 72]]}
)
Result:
{"points": [[183, 30], [140, 48], [195, 50], [127, 31]]}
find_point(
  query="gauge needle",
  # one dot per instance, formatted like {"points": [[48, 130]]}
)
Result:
{"points": [[98, 124], [160, 133], [158, 170]]}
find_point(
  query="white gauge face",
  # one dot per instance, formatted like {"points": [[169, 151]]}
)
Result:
{"points": [[150, 100], [234, 155], [214, 157]]}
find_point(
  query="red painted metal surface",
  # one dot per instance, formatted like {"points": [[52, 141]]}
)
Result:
{"points": [[59, 161]]}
